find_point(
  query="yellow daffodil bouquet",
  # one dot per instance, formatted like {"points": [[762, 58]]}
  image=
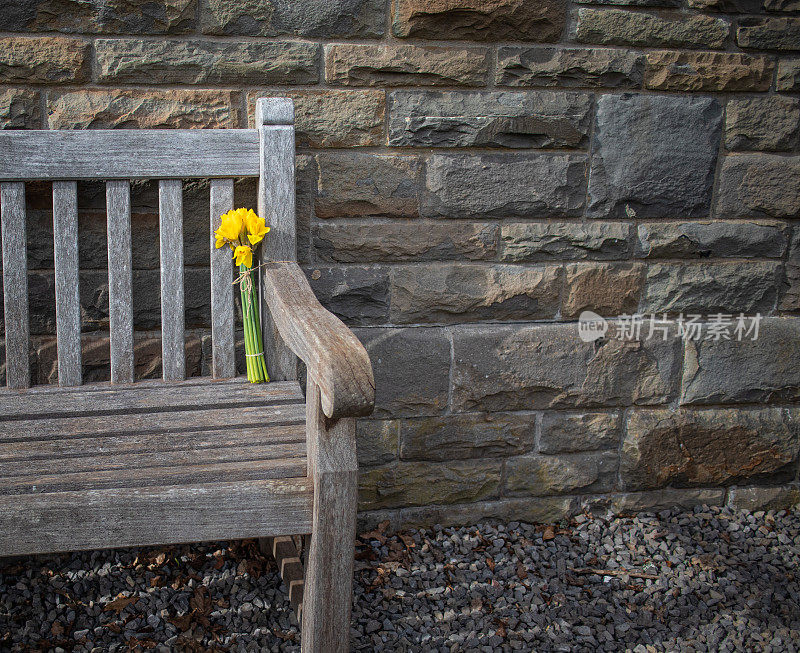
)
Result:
{"points": [[242, 230]]}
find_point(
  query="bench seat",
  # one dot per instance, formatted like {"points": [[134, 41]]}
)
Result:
{"points": [[151, 463]]}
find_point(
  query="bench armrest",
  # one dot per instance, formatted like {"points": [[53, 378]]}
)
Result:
{"points": [[337, 362]]}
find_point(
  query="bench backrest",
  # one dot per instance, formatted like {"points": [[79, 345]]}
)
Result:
{"points": [[116, 157]]}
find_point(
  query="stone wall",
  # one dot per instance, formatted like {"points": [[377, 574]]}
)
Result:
{"points": [[472, 176]]}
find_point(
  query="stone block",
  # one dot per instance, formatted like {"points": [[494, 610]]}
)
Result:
{"points": [[330, 19], [769, 33], [708, 447], [765, 123], [489, 119], [376, 441], [788, 78], [99, 16], [716, 239], [728, 6], [559, 241], [504, 185], [575, 432], [638, 29], [45, 60], [480, 20], [783, 497], [420, 483], [608, 289], [635, 170], [539, 475], [350, 64], [585, 67], [354, 185], [331, 118], [454, 437], [405, 241], [135, 109], [524, 367], [470, 292], [654, 500], [746, 371], [758, 186], [411, 368], [790, 301], [633, 3], [358, 295], [143, 61], [668, 70], [19, 109], [714, 287]]}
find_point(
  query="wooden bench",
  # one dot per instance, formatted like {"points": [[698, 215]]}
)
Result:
{"points": [[180, 460]]}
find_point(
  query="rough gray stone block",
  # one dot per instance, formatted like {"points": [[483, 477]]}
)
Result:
{"points": [[376, 441], [420, 483], [411, 368], [539, 475], [504, 185], [730, 371], [352, 184], [559, 241], [637, 170], [783, 497], [702, 239], [525, 367], [469, 292], [768, 123], [46, 60], [358, 295], [573, 432], [548, 66], [675, 30], [708, 447], [405, 241], [769, 33], [654, 500], [489, 119], [706, 288], [759, 185], [788, 78], [146, 61], [453, 437], [19, 109], [329, 19]]}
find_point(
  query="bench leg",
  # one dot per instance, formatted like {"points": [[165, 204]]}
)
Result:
{"points": [[328, 592]]}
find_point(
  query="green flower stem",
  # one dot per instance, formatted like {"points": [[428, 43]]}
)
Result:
{"points": [[253, 342], [246, 324]]}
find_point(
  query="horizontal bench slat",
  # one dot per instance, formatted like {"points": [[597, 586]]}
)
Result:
{"points": [[70, 521], [103, 398], [128, 154], [192, 475], [27, 450], [150, 422]]}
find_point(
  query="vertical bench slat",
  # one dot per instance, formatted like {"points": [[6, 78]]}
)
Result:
{"points": [[120, 280], [276, 203], [170, 210], [15, 283], [222, 327], [68, 303]]}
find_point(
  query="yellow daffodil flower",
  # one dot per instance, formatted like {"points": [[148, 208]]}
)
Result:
{"points": [[243, 254], [231, 226], [256, 228]]}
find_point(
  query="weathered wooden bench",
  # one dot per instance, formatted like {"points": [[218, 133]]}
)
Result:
{"points": [[180, 460]]}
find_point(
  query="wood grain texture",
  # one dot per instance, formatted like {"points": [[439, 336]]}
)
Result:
{"points": [[15, 284], [128, 154], [68, 301], [170, 220], [223, 353], [44, 402], [333, 468], [95, 519], [276, 204], [337, 362], [120, 280]]}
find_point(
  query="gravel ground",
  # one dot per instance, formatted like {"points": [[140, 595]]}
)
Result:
{"points": [[708, 580]]}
